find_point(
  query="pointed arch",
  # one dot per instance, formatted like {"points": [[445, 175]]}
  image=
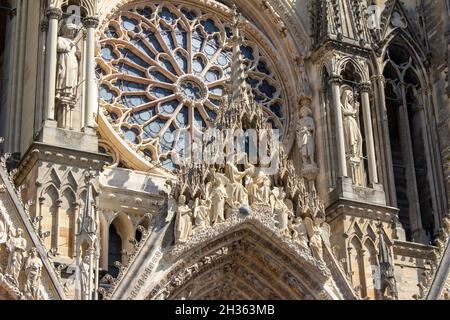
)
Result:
{"points": [[67, 222]]}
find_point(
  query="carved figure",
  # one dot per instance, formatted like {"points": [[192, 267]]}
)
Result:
{"points": [[281, 210], [305, 135], [218, 197], [68, 62], [33, 270], [16, 245], [352, 133], [183, 222], [239, 196]]}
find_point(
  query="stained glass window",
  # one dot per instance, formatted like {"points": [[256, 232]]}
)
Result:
{"points": [[164, 68]]}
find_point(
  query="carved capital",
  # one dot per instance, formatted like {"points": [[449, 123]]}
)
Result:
{"points": [[335, 80], [365, 87], [90, 22], [54, 13]]}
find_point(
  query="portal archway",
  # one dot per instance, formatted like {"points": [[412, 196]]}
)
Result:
{"points": [[244, 263]]}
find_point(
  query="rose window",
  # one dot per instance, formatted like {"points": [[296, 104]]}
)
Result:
{"points": [[163, 68]]}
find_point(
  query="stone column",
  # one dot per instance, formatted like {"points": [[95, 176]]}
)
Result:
{"points": [[417, 232], [91, 90], [335, 82], [53, 15], [385, 143], [364, 89]]}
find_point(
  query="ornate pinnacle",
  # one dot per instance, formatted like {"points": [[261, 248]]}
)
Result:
{"points": [[238, 84]]}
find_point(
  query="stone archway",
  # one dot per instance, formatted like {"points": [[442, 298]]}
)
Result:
{"points": [[244, 263]]}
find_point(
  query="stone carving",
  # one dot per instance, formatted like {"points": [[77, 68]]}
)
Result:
{"points": [[239, 194], [319, 234], [68, 63], [305, 136], [33, 270], [16, 246], [352, 133], [218, 197], [259, 186], [183, 222], [282, 208], [299, 232]]}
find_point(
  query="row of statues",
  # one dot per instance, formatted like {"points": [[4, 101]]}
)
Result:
{"points": [[207, 197], [20, 259], [305, 131]]}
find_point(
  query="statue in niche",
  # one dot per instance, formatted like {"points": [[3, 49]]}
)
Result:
{"points": [[352, 134], [305, 134], [33, 270], [218, 197], [17, 246], [68, 63], [238, 192], [183, 221], [283, 209]]}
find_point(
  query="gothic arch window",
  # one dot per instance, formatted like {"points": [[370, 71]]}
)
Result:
{"points": [[114, 250], [357, 270], [165, 67], [49, 206], [371, 271], [120, 228], [411, 147], [66, 228]]}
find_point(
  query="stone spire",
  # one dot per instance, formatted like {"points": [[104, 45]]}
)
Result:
{"points": [[87, 246], [238, 84]]}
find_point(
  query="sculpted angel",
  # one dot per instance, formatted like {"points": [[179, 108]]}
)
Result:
{"points": [[319, 234]]}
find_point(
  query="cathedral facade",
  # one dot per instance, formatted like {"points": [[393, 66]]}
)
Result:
{"points": [[224, 149]]}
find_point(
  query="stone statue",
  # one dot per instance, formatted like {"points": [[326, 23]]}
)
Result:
{"points": [[33, 270], [353, 137], [183, 222], [314, 228], [84, 274], [305, 135], [238, 192], [281, 210], [201, 212], [259, 188], [299, 232], [352, 133], [218, 197], [68, 62], [17, 246]]}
